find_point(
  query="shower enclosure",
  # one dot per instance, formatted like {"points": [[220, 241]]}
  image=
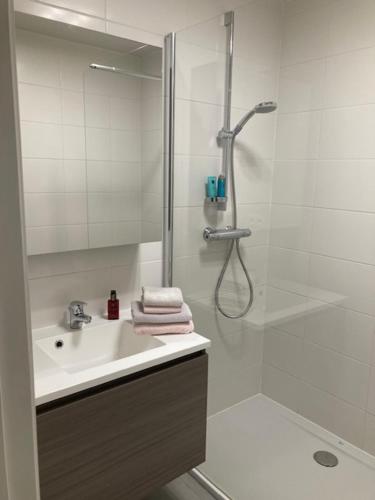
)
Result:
{"points": [[295, 376]]}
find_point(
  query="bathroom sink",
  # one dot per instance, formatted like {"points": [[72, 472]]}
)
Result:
{"points": [[79, 350], [67, 361]]}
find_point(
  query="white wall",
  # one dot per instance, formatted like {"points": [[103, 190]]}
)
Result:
{"points": [[322, 244], [17, 413]]}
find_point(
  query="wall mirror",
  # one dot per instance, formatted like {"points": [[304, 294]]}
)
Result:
{"points": [[91, 137]]}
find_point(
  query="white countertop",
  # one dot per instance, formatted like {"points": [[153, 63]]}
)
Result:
{"points": [[52, 381]]}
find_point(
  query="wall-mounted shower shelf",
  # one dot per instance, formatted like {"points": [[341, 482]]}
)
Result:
{"points": [[217, 202]]}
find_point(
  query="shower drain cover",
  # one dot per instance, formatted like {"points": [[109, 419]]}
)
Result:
{"points": [[326, 459]]}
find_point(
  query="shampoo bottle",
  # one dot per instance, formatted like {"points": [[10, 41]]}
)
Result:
{"points": [[113, 306]]}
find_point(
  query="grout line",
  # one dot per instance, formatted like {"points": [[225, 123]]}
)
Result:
{"points": [[318, 254], [309, 384], [324, 208]]}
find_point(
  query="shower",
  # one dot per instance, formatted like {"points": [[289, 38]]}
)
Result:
{"points": [[227, 138]]}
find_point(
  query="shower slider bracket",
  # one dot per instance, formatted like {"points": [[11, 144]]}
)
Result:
{"points": [[218, 202], [229, 233]]}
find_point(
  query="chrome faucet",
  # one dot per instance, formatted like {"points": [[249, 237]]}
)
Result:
{"points": [[77, 315]]}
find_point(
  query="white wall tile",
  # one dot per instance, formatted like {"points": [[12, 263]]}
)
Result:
{"points": [[197, 126], [351, 25], [283, 351], [306, 36], [346, 185], [371, 393], [348, 284], [75, 176], [50, 209], [301, 87], [37, 62], [97, 110], [200, 73], [291, 227], [297, 136], [125, 145], [369, 442], [342, 330], [260, 45], [253, 178], [39, 104], [125, 114], [98, 144], [350, 79], [42, 240], [74, 143], [285, 311], [347, 133], [294, 182], [41, 140], [252, 83], [288, 270], [99, 207], [333, 414], [330, 235], [280, 386], [125, 233], [126, 176], [72, 108], [99, 178], [43, 175], [336, 374]]}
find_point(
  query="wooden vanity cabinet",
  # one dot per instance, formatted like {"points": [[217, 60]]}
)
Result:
{"points": [[124, 439]]}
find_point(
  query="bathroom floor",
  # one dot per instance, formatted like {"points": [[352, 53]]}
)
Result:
{"points": [[260, 450]]}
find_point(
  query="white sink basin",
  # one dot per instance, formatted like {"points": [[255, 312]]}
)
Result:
{"points": [[83, 349], [103, 351]]}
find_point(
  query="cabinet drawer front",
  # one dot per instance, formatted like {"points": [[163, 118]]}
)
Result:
{"points": [[125, 441]]}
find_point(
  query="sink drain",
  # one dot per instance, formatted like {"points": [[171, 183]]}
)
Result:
{"points": [[326, 458]]}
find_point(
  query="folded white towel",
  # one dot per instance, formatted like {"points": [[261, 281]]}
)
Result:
{"points": [[139, 316], [162, 297]]}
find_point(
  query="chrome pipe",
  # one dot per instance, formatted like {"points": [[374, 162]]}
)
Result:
{"points": [[169, 85], [229, 25], [229, 233], [114, 69]]}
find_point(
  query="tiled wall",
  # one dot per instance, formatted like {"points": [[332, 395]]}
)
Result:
{"points": [[236, 353], [319, 342]]}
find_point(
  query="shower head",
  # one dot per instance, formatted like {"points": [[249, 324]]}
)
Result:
{"points": [[263, 107]]}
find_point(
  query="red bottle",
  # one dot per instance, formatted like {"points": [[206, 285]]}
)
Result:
{"points": [[113, 306]]}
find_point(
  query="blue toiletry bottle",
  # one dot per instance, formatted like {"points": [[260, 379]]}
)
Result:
{"points": [[221, 187], [211, 187]]}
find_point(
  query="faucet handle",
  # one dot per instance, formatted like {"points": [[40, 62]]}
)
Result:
{"points": [[76, 306]]}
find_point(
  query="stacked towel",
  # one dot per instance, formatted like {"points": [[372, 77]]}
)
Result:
{"points": [[161, 311]]}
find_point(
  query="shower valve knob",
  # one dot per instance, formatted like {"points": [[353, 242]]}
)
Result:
{"points": [[229, 233]]}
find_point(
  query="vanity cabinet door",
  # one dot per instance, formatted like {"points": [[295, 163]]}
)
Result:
{"points": [[127, 439]]}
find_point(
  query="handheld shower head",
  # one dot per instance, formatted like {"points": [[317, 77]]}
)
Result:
{"points": [[263, 107]]}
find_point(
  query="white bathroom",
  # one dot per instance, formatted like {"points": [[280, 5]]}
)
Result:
{"points": [[187, 271]]}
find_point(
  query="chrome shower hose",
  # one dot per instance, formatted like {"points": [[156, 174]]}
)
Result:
{"points": [[231, 247]]}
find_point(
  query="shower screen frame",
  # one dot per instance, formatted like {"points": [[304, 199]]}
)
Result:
{"points": [[169, 96]]}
